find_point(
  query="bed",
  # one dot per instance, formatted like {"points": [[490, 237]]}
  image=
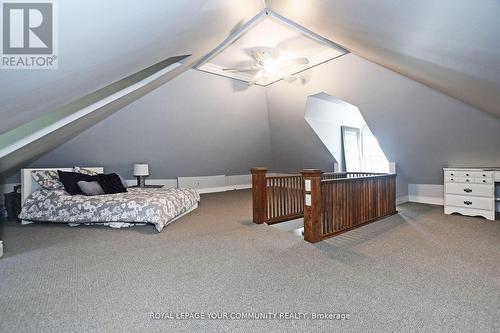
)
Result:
{"points": [[157, 206]]}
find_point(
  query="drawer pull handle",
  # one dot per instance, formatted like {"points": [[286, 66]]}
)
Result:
{"points": [[484, 175], [468, 203], [467, 174], [452, 179], [484, 181], [453, 174], [467, 180], [468, 190]]}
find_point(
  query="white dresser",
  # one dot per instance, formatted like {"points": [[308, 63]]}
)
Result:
{"points": [[472, 191]]}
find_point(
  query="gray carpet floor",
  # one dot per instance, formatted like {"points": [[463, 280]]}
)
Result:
{"points": [[416, 271]]}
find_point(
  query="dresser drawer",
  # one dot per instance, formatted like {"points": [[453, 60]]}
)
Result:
{"points": [[465, 180], [469, 174], [453, 173], [483, 180], [469, 180], [482, 174], [452, 179], [483, 190], [470, 202]]}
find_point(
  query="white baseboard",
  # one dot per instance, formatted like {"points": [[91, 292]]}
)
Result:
{"points": [[220, 183], [223, 188], [201, 182], [206, 184], [238, 180], [169, 183], [426, 193]]}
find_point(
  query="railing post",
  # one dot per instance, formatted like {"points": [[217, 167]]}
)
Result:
{"points": [[259, 194], [312, 204]]}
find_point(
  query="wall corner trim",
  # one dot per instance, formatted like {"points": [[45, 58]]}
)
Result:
{"points": [[402, 199]]}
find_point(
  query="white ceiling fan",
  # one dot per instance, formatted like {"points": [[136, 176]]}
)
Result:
{"points": [[266, 64]]}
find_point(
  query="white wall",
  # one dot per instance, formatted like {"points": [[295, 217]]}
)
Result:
{"points": [[419, 128], [326, 115], [198, 124]]}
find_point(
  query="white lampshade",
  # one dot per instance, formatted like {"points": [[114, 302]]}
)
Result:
{"points": [[141, 170]]}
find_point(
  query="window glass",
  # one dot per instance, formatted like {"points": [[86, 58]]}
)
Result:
{"points": [[362, 151], [352, 148]]}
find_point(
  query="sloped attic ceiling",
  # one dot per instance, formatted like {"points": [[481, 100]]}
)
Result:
{"points": [[101, 42], [451, 46], [447, 45], [44, 133]]}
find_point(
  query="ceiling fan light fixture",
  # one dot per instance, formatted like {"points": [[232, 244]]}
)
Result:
{"points": [[278, 47], [271, 68]]}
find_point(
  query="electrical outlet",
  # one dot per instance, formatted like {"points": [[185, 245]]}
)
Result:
{"points": [[308, 200]]}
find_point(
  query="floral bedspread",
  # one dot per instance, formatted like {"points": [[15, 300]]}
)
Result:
{"points": [[157, 206]]}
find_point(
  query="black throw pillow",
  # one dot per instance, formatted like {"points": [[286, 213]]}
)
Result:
{"points": [[111, 183], [70, 181]]}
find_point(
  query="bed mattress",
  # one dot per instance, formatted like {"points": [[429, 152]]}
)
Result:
{"points": [[158, 206]]}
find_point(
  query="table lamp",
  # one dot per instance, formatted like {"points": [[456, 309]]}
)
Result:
{"points": [[141, 171]]}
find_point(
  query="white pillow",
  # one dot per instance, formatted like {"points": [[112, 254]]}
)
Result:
{"points": [[90, 188]]}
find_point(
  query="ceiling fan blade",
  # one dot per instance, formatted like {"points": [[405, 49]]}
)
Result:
{"points": [[257, 56], [243, 64], [259, 53], [292, 62], [251, 71], [242, 70], [273, 51], [233, 69]]}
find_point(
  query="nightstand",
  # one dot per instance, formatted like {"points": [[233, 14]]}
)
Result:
{"points": [[147, 186], [12, 205]]}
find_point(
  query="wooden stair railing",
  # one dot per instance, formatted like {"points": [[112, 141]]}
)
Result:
{"points": [[337, 205], [259, 194], [276, 198], [331, 203], [312, 207]]}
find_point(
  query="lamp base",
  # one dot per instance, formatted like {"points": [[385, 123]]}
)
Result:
{"points": [[141, 181]]}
